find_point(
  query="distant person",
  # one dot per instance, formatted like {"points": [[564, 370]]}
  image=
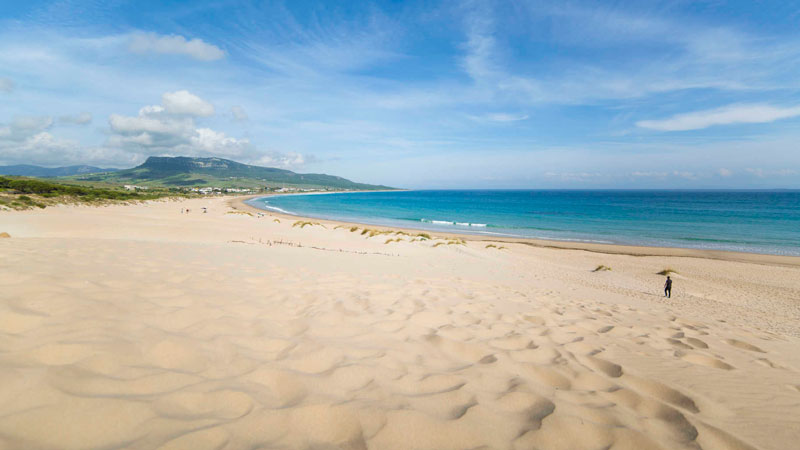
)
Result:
{"points": [[668, 287]]}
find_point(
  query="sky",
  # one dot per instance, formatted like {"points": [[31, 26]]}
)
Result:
{"points": [[413, 94]]}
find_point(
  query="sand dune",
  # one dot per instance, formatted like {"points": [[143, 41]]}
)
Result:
{"points": [[140, 327]]}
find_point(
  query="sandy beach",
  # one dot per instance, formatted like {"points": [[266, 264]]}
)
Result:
{"points": [[137, 326]]}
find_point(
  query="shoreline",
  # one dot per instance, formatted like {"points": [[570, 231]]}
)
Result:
{"points": [[613, 249]]}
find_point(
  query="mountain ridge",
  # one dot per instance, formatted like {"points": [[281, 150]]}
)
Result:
{"points": [[177, 171]]}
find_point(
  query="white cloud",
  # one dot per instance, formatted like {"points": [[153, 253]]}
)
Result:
{"points": [[27, 140], [732, 114], [175, 45], [480, 47], [506, 117], [639, 174], [284, 160], [239, 113], [77, 119], [723, 172], [764, 173], [186, 103], [22, 128], [148, 123], [573, 176], [216, 143], [6, 85], [685, 174]]}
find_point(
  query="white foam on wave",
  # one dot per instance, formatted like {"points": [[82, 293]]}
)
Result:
{"points": [[275, 208], [448, 222]]}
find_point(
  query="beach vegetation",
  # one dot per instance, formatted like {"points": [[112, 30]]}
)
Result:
{"points": [[304, 223], [438, 244], [244, 213], [26, 193], [424, 236], [353, 229], [601, 268], [667, 271], [370, 232]]}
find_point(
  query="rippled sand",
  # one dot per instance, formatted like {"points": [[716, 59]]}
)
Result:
{"points": [[140, 327]]}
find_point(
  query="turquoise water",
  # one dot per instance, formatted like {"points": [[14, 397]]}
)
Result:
{"points": [[748, 221]]}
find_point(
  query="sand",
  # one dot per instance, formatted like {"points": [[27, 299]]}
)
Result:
{"points": [[137, 326]]}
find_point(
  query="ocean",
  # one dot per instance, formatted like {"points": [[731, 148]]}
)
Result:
{"points": [[745, 221]]}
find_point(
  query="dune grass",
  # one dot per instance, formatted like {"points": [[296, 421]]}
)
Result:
{"points": [[667, 271], [244, 213], [371, 232], [601, 268], [304, 223], [276, 220]]}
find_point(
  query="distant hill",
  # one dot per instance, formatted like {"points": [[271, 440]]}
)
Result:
{"points": [[26, 170], [185, 171]]}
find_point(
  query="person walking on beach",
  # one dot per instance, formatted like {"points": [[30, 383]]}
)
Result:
{"points": [[668, 287]]}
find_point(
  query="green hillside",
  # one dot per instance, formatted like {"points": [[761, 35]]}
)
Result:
{"points": [[184, 171]]}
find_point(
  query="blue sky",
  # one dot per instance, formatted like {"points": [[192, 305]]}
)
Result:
{"points": [[507, 94]]}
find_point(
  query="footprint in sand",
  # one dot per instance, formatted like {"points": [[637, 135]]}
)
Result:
{"points": [[607, 367], [679, 344], [705, 360], [696, 343], [768, 363], [661, 392], [743, 345]]}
